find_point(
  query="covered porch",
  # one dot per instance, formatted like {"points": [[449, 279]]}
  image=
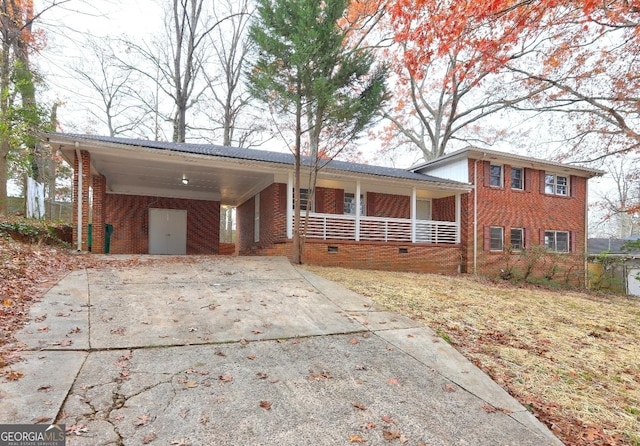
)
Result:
{"points": [[374, 212]]}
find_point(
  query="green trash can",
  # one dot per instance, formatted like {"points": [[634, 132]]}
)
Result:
{"points": [[108, 230], [89, 236]]}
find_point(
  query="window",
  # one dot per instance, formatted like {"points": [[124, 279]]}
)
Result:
{"points": [[496, 235], [557, 241], [304, 200], [495, 175], [350, 204], [556, 184], [517, 178], [517, 239]]}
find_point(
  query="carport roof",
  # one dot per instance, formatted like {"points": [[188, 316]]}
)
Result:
{"points": [[149, 164]]}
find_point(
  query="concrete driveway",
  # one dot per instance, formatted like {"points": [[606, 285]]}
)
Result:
{"points": [[246, 351]]}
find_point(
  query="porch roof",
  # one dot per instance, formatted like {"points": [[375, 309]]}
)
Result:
{"points": [[228, 174]]}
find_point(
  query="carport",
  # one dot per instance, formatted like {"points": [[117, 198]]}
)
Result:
{"points": [[159, 197]]}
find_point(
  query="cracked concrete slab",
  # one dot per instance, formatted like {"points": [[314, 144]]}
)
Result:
{"points": [[222, 350], [37, 396]]}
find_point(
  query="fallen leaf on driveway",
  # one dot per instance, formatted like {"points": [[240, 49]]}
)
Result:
{"points": [[13, 375], [320, 376], [47, 388], [149, 438], [225, 378], [356, 439], [488, 408], [191, 384], [450, 388], [359, 406], [388, 419], [392, 381], [390, 435], [265, 405], [261, 375], [142, 420], [77, 429]]}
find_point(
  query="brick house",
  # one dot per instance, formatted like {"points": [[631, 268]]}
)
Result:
{"points": [[519, 203], [165, 198]]}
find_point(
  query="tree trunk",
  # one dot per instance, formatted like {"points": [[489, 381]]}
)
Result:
{"points": [[297, 247]]}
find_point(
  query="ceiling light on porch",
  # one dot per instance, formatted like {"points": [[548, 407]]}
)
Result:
{"points": [[185, 180]]}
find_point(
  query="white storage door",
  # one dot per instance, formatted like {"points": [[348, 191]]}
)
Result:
{"points": [[633, 284], [167, 231]]}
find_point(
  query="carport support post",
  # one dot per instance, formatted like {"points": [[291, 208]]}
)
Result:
{"points": [[97, 213], [290, 206], [414, 213], [81, 179]]}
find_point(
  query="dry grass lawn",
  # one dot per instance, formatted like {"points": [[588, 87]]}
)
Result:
{"points": [[573, 358]]}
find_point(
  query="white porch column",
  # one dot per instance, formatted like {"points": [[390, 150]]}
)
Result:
{"points": [[414, 213], [458, 216], [290, 206], [357, 211]]}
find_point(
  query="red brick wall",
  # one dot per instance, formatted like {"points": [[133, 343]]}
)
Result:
{"points": [[329, 201], [244, 226], [97, 214], [444, 209], [388, 205], [531, 210], [84, 194], [380, 256], [273, 211], [129, 215]]}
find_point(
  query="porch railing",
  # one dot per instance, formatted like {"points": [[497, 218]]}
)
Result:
{"points": [[343, 227]]}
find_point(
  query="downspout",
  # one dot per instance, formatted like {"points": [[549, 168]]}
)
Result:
{"points": [[79, 194], [586, 234], [475, 217]]}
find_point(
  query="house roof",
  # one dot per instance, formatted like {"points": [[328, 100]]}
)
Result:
{"points": [[506, 158], [612, 245], [150, 163]]}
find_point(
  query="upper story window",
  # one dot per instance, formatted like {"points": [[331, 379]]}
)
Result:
{"points": [[557, 241], [556, 184], [495, 175], [517, 178]]}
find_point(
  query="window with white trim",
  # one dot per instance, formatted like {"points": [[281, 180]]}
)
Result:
{"points": [[557, 241], [495, 175], [517, 239], [517, 178], [350, 204], [496, 238], [304, 200], [556, 184]]}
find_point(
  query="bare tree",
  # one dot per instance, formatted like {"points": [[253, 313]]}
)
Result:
{"points": [[176, 61], [121, 108], [231, 46], [620, 204]]}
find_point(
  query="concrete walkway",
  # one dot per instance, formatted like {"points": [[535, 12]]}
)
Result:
{"points": [[246, 351]]}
